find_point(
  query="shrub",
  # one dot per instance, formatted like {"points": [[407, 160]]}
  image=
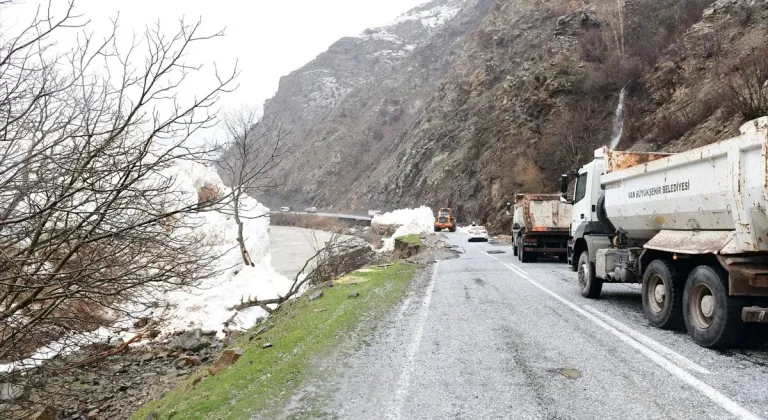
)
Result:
{"points": [[746, 85]]}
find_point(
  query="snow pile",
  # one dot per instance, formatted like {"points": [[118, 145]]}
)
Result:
{"points": [[411, 221], [207, 307]]}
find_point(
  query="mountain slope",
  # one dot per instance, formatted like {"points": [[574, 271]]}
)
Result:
{"points": [[345, 108], [511, 93]]}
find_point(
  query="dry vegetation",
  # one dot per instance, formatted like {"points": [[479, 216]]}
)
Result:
{"points": [[91, 219]]}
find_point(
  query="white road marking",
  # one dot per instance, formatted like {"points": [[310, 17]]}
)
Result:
{"points": [[718, 398], [394, 411], [678, 358]]}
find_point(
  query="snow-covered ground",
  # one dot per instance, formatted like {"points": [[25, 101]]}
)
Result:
{"points": [[207, 306], [411, 221]]}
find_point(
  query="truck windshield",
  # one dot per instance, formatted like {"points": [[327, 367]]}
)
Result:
{"points": [[581, 188]]}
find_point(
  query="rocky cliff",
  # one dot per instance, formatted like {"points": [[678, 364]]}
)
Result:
{"points": [[344, 108], [505, 95]]}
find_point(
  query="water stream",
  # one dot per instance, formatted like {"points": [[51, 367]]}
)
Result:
{"points": [[618, 120]]}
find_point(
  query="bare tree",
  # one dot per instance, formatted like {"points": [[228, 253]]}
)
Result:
{"points": [[615, 11], [91, 217], [255, 148]]}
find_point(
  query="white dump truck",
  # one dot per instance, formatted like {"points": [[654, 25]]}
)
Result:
{"points": [[691, 227], [540, 226]]}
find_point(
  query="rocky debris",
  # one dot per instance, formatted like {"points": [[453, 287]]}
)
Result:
{"points": [[384, 230], [12, 392], [329, 284], [227, 358], [48, 413], [187, 361], [317, 294], [353, 295], [575, 23], [191, 341], [115, 387]]}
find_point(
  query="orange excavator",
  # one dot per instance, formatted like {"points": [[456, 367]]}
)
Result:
{"points": [[445, 220]]}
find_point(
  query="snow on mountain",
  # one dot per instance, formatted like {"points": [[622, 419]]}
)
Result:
{"points": [[433, 17]]}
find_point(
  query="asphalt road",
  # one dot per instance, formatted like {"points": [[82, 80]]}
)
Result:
{"points": [[484, 336]]}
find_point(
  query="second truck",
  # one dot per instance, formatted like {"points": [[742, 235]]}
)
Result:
{"points": [[692, 228], [540, 226]]}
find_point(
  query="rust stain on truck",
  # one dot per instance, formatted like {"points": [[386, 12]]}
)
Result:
{"points": [[616, 161]]}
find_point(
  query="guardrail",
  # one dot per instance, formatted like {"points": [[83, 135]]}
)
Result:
{"points": [[354, 219]]}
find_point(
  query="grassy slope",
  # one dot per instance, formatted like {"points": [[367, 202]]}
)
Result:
{"points": [[409, 239], [300, 330]]}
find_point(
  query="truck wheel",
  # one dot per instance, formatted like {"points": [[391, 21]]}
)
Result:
{"points": [[663, 296], [525, 257], [453, 228], [713, 318], [589, 285], [437, 229]]}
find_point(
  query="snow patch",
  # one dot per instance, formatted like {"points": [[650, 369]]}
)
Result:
{"points": [[431, 18], [381, 34]]}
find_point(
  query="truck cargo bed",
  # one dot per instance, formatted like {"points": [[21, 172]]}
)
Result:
{"points": [[720, 187]]}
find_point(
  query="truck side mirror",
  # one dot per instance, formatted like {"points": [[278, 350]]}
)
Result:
{"points": [[565, 182]]}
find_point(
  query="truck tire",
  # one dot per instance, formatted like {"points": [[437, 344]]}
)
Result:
{"points": [[453, 228], [663, 295], [437, 229], [589, 285], [526, 257], [712, 318]]}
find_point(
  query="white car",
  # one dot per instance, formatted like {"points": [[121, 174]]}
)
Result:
{"points": [[312, 209], [285, 209], [477, 233]]}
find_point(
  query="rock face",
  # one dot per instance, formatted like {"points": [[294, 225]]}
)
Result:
{"points": [[345, 108], [504, 97]]}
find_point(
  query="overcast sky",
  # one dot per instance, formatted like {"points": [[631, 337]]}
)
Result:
{"points": [[269, 38]]}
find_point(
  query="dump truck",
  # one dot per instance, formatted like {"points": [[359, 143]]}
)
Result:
{"points": [[445, 220], [540, 226], [691, 227]]}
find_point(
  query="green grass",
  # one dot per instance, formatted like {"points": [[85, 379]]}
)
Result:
{"points": [[263, 379], [410, 239]]}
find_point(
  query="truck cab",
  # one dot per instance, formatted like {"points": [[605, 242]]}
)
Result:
{"points": [[587, 190]]}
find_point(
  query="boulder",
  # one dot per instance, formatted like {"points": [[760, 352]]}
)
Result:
{"points": [[13, 392], [186, 361], [317, 294], [190, 341], [228, 358]]}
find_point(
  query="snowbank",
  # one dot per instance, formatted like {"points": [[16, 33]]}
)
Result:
{"points": [[206, 306], [411, 221]]}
